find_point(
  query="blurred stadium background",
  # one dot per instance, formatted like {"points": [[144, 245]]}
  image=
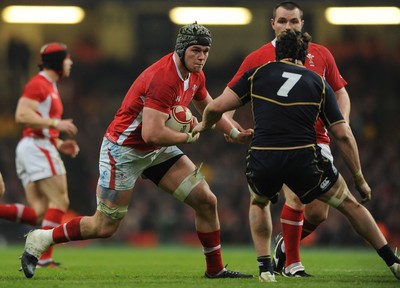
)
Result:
{"points": [[117, 39]]}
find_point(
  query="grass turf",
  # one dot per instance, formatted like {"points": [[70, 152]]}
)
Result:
{"points": [[121, 266]]}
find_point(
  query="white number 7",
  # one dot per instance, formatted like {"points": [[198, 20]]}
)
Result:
{"points": [[292, 79]]}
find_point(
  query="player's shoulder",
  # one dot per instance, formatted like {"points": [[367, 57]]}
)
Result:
{"points": [[161, 69], [37, 81], [318, 48], [263, 50]]}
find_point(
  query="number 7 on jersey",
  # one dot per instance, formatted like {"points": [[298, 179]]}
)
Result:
{"points": [[292, 79]]}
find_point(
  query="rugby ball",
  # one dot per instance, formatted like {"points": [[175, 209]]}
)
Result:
{"points": [[180, 119]]}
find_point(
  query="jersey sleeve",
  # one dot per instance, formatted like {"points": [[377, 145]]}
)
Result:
{"points": [[330, 113], [35, 90], [332, 74], [242, 86], [160, 94]]}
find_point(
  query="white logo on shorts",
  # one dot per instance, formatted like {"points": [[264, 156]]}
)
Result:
{"points": [[325, 183]]}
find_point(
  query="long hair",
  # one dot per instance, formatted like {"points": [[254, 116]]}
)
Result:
{"points": [[292, 44]]}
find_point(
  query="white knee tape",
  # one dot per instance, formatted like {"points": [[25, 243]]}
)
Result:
{"points": [[340, 194], [188, 184], [114, 213]]}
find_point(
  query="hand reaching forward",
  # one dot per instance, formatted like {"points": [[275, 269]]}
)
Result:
{"points": [[69, 147]]}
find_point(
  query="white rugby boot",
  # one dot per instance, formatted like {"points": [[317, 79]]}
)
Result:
{"points": [[266, 277], [37, 242]]}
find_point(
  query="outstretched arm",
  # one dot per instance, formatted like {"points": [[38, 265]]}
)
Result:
{"points": [[348, 146], [214, 114]]}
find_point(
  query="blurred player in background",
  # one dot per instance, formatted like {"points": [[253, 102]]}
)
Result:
{"points": [[38, 161], [138, 143], [286, 101], [289, 15]]}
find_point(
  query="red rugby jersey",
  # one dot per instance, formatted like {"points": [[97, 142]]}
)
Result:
{"points": [[159, 87], [42, 89]]}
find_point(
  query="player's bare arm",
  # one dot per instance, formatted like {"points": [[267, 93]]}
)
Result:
{"points": [[154, 131], [343, 100], [214, 114], [26, 114], [348, 147]]}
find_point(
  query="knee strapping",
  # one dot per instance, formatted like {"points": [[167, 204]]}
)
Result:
{"points": [[114, 213], [188, 184], [341, 193]]}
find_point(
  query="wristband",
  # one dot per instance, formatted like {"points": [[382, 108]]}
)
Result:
{"points": [[358, 178], [234, 133], [54, 123]]}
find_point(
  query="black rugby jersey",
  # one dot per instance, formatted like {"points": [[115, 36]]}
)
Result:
{"points": [[286, 100]]}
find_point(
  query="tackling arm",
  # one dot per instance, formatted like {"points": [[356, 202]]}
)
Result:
{"points": [[214, 114], [215, 109], [348, 146]]}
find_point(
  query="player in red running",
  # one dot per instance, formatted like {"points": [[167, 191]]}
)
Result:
{"points": [[38, 161], [289, 15], [138, 143]]}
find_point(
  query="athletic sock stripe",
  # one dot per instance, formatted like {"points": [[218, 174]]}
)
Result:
{"points": [[66, 232], [212, 249], [294, 223], [20, 211]]}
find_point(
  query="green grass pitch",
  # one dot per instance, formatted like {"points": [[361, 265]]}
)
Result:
{"points": [[106, 265]]}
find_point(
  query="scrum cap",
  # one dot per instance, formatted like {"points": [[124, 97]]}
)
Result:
{"points": [[192, 34], [53, 55], [292, 44]]}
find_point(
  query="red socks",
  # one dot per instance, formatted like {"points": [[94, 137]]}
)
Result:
{"points": [[212, 250], [18, 213], [52, 218], [292, 223], [70, 231]]}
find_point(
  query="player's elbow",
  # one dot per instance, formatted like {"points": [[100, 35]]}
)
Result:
{"points": [[20, 118], [342, 132], [151, 138]]}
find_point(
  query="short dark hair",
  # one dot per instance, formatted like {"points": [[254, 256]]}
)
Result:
{"points": [[288, 5], [292, 44]]}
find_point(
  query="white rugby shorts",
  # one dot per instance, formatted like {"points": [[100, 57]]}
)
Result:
{"points": [[37, 159], [120, 166]]}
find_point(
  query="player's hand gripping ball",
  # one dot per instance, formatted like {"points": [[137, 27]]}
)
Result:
{"points": [[180, 119]]}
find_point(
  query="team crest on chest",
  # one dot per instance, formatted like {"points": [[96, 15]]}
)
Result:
{"points": [[310, 58], [194, 89]]}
